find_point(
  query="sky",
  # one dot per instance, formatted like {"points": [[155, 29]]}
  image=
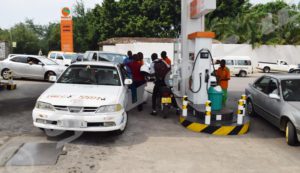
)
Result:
{"points": [[45, 11], [41, 11]]}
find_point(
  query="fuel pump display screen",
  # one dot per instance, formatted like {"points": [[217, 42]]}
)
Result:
{"points": [[204, 55]]}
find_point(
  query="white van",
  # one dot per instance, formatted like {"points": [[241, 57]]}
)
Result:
{"points": [[62, 58], [239, 65]]}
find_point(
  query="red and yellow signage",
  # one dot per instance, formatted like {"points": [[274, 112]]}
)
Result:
{"points": [[199, 8], [66, 30], [195, 8]]}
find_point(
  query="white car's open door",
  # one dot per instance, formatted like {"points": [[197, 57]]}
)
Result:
{"points": [[142, 97]]}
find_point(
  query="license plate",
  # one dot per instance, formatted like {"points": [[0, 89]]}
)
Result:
{"points": [[166, 100], [74, 124]]}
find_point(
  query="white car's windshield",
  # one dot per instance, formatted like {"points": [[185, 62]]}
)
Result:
{"points": [[91, 75], [291, 90], [47, 61]]}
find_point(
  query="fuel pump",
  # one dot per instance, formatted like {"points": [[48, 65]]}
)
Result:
{"points": [[193, 77]]}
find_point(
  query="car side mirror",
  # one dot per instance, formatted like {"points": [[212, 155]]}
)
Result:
{"points": [[128, 81], [52, 78], [274, 96]]}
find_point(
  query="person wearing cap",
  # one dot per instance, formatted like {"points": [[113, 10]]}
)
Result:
{"points": [[223, 77]]}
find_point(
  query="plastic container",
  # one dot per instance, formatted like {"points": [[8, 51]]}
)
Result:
{"points": [[215, 95]]}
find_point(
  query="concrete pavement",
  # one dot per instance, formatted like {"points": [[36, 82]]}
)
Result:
{"points": [[150, 144]]}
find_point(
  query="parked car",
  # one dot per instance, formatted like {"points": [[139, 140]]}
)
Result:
{"points": [[238, 65], [277, 99], [63, 58], [279, 66], [297, 70], [88, 96], [30, 66], [104, 56]]}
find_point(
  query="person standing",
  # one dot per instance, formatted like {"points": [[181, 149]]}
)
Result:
{"points": [[128, 60], [159, 68], [165, 57], [141, 57], [223, 77], [137, 77]]}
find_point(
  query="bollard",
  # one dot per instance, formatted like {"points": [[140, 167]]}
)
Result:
{"points": [[207, 112], [241, 112], [11, 85], [244, 98], [184, 106], [10, 78]]}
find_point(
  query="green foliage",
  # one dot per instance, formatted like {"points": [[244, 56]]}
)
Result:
{"points": [[271, 23]]}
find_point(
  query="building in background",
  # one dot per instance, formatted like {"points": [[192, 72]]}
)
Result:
{"points": [[4, 49], [139, 44], [268, 53]]}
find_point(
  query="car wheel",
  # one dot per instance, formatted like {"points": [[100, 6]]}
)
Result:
{"points": [[250, 109], [290, 134], [48, 74], [267, 70], [5, 74], [242, 74], [53, 133], [122, 130]]}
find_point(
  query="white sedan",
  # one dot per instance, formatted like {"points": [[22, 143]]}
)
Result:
{"points": [[89, 96]]}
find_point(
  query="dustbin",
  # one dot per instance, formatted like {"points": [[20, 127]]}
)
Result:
{"points": [[215, 95]]}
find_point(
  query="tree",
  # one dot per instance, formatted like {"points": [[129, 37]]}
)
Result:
{"points": [[229, 9], [80, 28], [27, 40]]}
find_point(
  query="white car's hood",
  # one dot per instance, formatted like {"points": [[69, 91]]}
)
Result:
{"points": [[81, 95]]}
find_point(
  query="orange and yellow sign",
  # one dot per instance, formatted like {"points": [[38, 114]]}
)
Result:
{"points": [[66, 30]]}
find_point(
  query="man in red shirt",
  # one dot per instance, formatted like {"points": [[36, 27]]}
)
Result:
{"points": [[137, 77], [135, 68], [165, 57]]}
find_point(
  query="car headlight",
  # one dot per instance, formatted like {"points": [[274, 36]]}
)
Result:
{"points": [[109, 108], [44, 106]]}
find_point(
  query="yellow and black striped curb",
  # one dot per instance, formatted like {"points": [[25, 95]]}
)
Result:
{"points": [[214, 129]]}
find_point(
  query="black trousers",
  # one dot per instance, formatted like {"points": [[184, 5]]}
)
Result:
{"points": [[156, 92]]}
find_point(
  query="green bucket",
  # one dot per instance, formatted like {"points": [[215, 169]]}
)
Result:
{"points": [[215, 95]]}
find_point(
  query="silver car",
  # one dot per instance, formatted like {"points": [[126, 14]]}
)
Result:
{"points": [[30, 66], [277, 99]]}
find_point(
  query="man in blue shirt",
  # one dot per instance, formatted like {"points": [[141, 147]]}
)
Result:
{"points": [[128, 60]]}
